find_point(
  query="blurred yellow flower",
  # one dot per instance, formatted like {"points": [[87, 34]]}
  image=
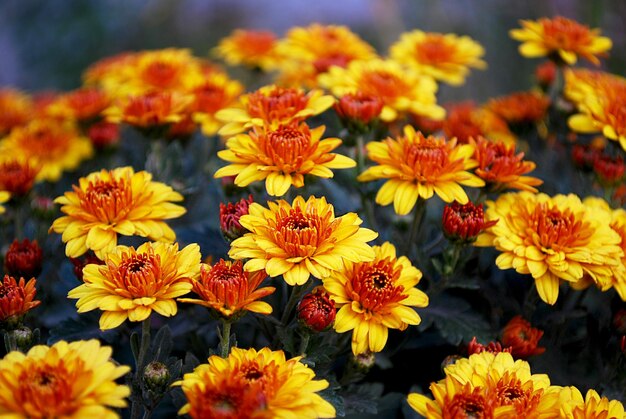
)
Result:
{"points": [[4, 197], [252, 48], [573, 406], [16, 109], [216, 91]]}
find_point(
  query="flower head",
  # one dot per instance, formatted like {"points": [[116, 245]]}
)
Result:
{"points": [[522, 338], [210, 95], [150, 110], [465, 121], [23, 259], [281, 157], [401, 90], [16, 298], [445, 57], [271, 106], [134, 282], [17, 176], [373, 297], [573, 406], [300, 239], [358, 108], [520, 108], [502, 168], [108, 203], [561, 39], [69, 380], [230, 291], [463, 223], [252, 48], [85, 104], [552, 239], [254, 384], [229, 217], [316, 310], [16, 109], [418, 167], [610, 171]]}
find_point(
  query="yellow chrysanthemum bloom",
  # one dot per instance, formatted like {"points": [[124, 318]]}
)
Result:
{"points": [[402, 90], [419, 166], [210, 95], [561, 39], [300, 239], [4, 197], [53, 146], [582, 82], [445, 57], [108, 203], [552, 239], [573, 406], [489, 385], [281, 157], [65, 380], [373, 297], [254, 384], [252, 48], [312, 50], [272, 106], [133, 282], [150, 110]]}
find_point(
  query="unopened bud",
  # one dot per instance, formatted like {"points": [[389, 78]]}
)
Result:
{"points": [[156, 376]]}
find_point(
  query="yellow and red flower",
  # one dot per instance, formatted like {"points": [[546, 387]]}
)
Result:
{"points": [[66, 380], [573, 406], [520, 108], [561, 39], [252, 48], [230, 291], [16, 298], [281, 157], [82, 104], [418, 167], [108, 203], [374, 296], [150, 110], [358, 108], [522, 338], [254, 384], [17, 176], [210, 95], [300, 239], [445, 57], [134, 282], [465, 121], [16, 109]]}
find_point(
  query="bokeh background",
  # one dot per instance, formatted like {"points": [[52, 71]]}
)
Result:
{"points": [[45, 45]]}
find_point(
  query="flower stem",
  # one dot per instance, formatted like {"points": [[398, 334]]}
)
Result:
{"points": [[225, 338], [304, 343], [296, 292], [139, 364], [418, 216]]}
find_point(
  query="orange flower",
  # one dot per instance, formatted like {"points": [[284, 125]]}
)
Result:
{"points": [[212, 94], [522, 338], [464, 121], [17, 176], [281, 157], [81, 105], [150, 110], [561, 39], [16, 109], [419, 166], [573, 406], [16, 298], [501, 168], [272, 106], [494, 347], [358, 108], [229, 291], [253, 48], [520, 107]]}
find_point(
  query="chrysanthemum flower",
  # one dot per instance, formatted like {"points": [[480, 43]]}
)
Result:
{"points": [[281, 157], [573, 406], [272, 106], [226, 288], [80, 105], [16, 109], [23, 258], [552, 239], [502, 168], [561, 39], [212, 94], [316, 310], [445, 57], [262, 384], [463, 223], [229, 217], [580, 83], [65, 380], [310, 51], [522, 338], [402, 90], [108, 203], [373, 297], [16, 297], [358, 108], [419, 166], [252, 48], [17, 176], [53, 146], [150, 110], [133, 282], [4, 197], [300, 239], [520, 108], [111, 72], [464, 120]]}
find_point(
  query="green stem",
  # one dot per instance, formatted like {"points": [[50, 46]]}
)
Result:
{"points": [[225, 338], [452, 260], [418, 216], [304, 343], [139, 365], [296, 292], [360, 156]]}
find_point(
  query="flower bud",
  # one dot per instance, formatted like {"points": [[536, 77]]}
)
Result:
{"points": [[463, 223], [80, 263], [545, 74], [229, 218], [494, 347], [16, 298], [17, 177], [24, 338], [363, 362], [104, 134], [358, 110], [316, 310], [522, 337], [23, 259], [609, 170], [156, 376], [43, 207]]}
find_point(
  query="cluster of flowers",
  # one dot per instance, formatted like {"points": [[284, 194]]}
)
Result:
{"points": [[335, 279]]}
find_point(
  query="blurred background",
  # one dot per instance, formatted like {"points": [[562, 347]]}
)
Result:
{"points": [[45, 45]]}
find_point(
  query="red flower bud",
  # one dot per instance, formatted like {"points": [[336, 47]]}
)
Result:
{"points": [[16, 298], [545, 74], [316, 310], [17, 177], [463, 223], [229, 218], [23, 259], [522, 337], [104, 134], [609, 170], [494, 347], [359, 108], [80, 263]]}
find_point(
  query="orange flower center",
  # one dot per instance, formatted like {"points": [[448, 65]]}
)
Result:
{"points": [[563, 33], [426, 159], [373, 285], [150, 109], [554, 229], [383, 84], [322, 64], [138, 275], [287, 147], [434, 50], [466, 406], [509, 391], [300, 233], [106, 200], [279, 105], [161, 74], [224, 282], [255, 43], [226, 399], [45, 142], [209, 98], [87, 103]]}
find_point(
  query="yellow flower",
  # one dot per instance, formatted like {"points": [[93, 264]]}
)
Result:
{"points": [[489, 385], [300, 239], [573, 406], [561, 39], [582, 82], [281, 157], [108, 203], [419, 166], [210, 95], [520, 107], [149, 110], [402, 90], [53, 146], [375, 296], [65, 380], [254, 384], [4, 197], [272, 106], [133, 282], [227, 289], [552, 239], [16, 109], [253, 48], [445, 57]]}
